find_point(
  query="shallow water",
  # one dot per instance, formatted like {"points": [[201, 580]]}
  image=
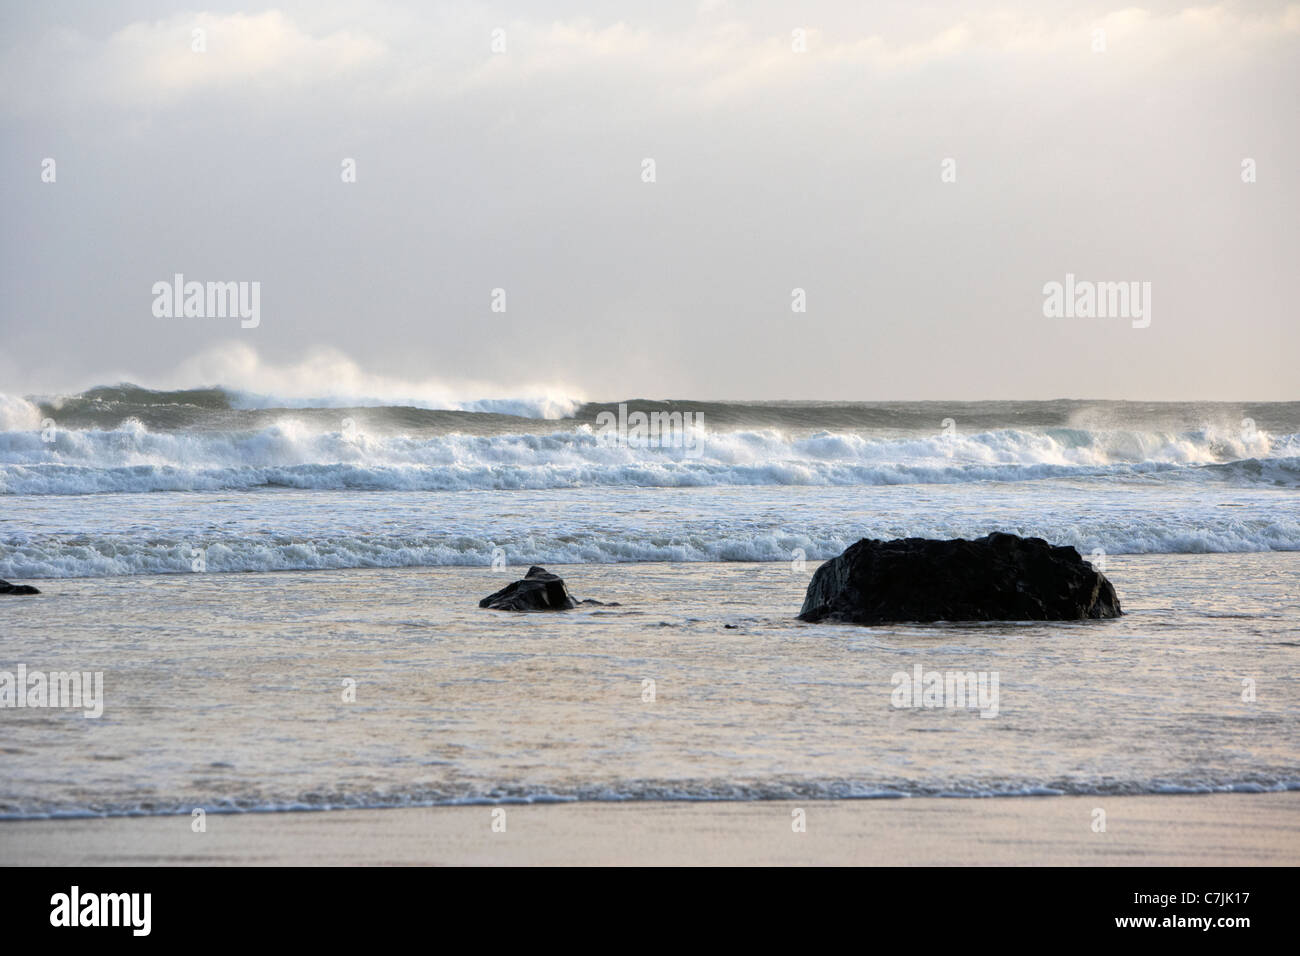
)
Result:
{"points": [[227, 563], [225, 690]]}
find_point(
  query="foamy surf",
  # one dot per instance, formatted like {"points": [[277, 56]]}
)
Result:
{"points": [[293, 453], [122, 480], [40, 556], [638, 791]]}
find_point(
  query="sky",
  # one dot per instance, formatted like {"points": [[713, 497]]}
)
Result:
{"points": [[920, 171]]}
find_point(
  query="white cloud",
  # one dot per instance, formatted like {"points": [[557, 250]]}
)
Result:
{"points": [[715, 59], [149, 64]]}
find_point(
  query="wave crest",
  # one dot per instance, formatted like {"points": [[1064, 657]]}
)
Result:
{"points": [[296, 453]]}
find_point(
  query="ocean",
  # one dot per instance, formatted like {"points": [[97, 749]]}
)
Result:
{"points": [[283, 601]]}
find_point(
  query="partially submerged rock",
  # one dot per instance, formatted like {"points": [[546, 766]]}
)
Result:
{"points": [[539, 590], [7, 588], [1000, 577]]}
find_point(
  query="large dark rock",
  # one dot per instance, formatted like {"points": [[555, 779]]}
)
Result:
{"points": [[1001, 577], [539, 590], [7, 588]]}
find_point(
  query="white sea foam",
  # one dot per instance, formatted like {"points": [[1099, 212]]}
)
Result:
{"points": [[43, 556], [18, 414], [543, 405], [327, 378], [290, 453]]}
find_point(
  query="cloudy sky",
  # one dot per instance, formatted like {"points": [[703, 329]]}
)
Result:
{"points": [[795, 146]]}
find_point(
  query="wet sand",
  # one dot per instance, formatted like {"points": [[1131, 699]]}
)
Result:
{"points": [[1211, 829]]}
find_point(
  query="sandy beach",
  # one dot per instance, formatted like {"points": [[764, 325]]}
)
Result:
{"points": [[1195, 830]]}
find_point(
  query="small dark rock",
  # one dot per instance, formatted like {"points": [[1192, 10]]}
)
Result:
{"points": [[1000, 577], [539, 590], [7, 588]]}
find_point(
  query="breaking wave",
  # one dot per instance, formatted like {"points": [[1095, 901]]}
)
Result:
{"points": [[353, 454]]}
